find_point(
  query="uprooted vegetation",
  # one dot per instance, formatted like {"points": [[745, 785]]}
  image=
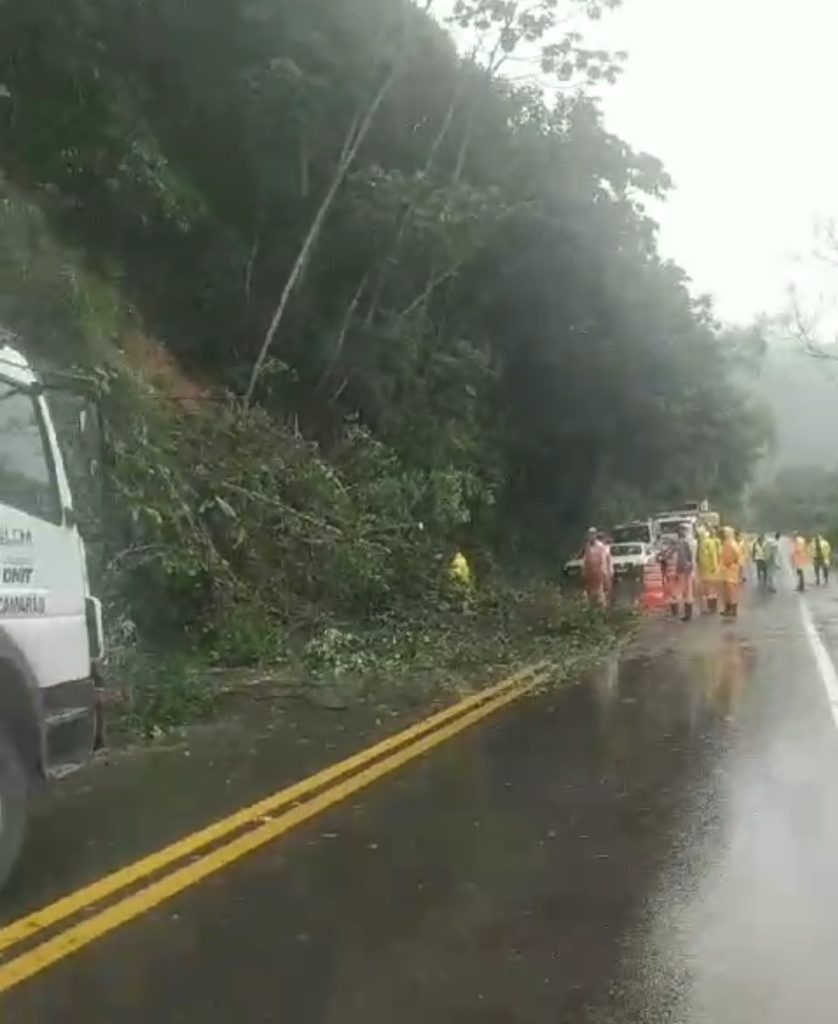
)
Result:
{"points": [[240, 543]]}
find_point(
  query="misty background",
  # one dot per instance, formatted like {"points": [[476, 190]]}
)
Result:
{"points": [[802, 393]]}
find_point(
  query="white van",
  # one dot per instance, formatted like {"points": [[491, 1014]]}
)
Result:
{"points": [[50, 625]]}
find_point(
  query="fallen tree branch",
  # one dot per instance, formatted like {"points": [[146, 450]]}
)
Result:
{"points": [[275, 503]]}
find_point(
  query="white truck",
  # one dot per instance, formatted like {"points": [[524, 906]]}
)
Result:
{"points": [[50, 625]]}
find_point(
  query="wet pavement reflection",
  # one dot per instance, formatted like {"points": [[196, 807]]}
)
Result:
{"points": [[654, 843]]}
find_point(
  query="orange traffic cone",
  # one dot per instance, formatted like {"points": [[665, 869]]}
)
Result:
{"points": [[654, 594]]}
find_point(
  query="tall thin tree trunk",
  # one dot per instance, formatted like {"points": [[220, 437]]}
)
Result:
{"points": [[493, 65], [496, 59], [248, 276], [358, 131], [407, 214], [344, 330], [304, 172]]}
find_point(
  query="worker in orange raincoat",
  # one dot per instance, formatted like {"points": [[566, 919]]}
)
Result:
{"points": [[732, 563], [800, 560], [597, 568]]}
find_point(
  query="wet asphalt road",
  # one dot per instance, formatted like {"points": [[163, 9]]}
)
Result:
{"points": [[656, 843]]}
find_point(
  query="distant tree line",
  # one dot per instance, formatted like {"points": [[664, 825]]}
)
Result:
{"points": [[800, 499]]}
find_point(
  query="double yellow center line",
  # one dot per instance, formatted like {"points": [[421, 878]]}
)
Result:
{"points": [[257, 825]]}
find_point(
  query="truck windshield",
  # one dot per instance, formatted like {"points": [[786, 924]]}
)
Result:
{"points": [[672, 527], [637, 532], [26, 478]]}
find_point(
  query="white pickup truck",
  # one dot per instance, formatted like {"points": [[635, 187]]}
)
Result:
{"points": [[50, 625]]}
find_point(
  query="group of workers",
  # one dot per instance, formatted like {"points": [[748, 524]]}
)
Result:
{"points": [[710, 563], [710, 566]]}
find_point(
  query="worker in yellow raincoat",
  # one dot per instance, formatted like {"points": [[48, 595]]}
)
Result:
{"points": [[732, 563], [708, 570], [460, 571], [820, 554], [461, 579]]}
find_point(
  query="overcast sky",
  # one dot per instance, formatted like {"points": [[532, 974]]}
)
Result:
{"points": [[739, 99]]}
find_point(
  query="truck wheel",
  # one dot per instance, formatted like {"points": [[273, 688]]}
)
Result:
{"points": [[13, 806]]}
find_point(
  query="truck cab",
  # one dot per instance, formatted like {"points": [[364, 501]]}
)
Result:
{"points": [[638, 531], [50, 624]]}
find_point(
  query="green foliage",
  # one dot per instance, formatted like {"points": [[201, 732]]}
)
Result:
{"points": [[337, 652], [245, 635], [164, 691], [65, 313], [223, 519], [486, 298]]}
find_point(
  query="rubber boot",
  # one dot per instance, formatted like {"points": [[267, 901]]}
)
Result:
{"points": [[734, 611], [688, 613], [728, 611], [673, 610]]}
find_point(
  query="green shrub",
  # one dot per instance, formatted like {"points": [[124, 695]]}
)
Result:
{"points": [[165, 692], [245, 636]]}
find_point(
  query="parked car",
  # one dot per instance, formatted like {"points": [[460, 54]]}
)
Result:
{"points": [[572, 568], [638, 531], [630, 559]]}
